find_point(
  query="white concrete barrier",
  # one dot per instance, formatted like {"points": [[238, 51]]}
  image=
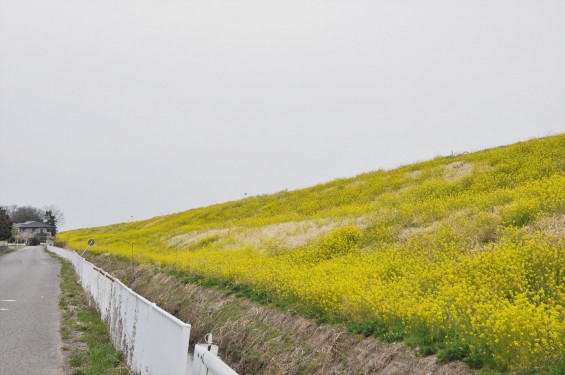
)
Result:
{"points": [[153, 341]]}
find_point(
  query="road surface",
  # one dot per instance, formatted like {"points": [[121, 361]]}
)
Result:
{"points": [[30, 319]]}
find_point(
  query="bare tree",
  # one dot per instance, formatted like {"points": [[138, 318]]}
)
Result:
{"points": [[26, 213]]}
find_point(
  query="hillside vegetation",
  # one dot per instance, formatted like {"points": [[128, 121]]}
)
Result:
{"points": [[462, 254]]}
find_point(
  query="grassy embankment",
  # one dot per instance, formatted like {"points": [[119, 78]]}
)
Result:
{"points": [[460, 255], [258, 339], [87, 346]]}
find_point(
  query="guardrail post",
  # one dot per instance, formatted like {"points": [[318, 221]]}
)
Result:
{"points": [[208, 363], [198, 367]]}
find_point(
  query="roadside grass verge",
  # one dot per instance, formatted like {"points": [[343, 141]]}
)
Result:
{"points": [[87, 346], [5, 250]]}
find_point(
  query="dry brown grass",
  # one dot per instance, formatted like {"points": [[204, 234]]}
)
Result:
{"points": [[357, 182], [553, 225], [457, 170], [414, 174], [406, 233], [292, 234], [193, 237], [288, 234], [153, 222]]}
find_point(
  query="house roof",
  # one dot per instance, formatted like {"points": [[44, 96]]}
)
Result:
{"points": [[32, 224]]}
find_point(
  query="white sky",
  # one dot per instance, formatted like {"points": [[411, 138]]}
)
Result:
{"points": [[111, 109]]}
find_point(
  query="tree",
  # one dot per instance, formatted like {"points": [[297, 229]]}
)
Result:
{"points": [[5, 225], [54, 217], [25, 213], [50, 215], [50, 219]]}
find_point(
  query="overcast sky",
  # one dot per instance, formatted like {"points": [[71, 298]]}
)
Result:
{"points": [[114, 109]]}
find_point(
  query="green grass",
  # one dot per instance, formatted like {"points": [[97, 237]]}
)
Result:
{"points": [[86, 336]]}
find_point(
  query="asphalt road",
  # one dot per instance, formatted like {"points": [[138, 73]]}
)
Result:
{"points": [[30, 319]]}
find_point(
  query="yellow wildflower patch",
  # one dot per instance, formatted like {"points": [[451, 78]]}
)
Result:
{"points": [[469, 245]]}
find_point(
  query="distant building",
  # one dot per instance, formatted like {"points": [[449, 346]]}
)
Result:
{"points": [[26, 231]]}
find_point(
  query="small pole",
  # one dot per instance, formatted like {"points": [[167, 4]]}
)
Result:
{"points": [[132, 265], [90, 243], [87, 246], [208, 339]]}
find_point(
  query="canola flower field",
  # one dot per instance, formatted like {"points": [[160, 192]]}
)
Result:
{"points": [[465, 253]]}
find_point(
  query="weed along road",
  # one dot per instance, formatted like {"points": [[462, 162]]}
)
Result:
{"points": [[30, 341]]}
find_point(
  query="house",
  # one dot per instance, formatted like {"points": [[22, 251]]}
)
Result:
{"points": [[30, 229]]}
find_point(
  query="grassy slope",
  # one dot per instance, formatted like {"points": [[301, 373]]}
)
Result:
{"points": [[258, 339], [460, 253]]}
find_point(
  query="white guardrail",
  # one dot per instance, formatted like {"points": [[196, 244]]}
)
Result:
{"points": [[153, 341], [206, 361]]}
